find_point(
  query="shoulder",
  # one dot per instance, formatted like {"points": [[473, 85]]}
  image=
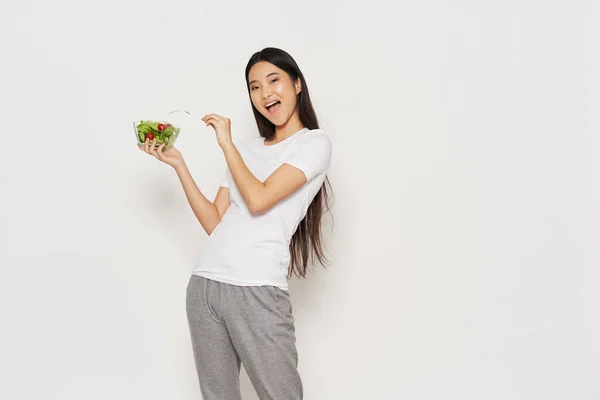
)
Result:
{"points": [[314, 138], [312, 144]]}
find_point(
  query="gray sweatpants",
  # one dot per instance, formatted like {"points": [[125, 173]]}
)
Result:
{"points": [[249, 324]]}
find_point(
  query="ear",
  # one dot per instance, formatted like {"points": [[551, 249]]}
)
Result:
{"points": [[298, 86]]}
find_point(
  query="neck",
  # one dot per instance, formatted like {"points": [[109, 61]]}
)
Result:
{"points": [[286, 130]]}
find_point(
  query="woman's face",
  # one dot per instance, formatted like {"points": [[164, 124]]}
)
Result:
{"points": [[272, 92]]}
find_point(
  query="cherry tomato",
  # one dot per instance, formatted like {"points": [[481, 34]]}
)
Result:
{"points": [[161, 127], [168, 125], [150, 136]]}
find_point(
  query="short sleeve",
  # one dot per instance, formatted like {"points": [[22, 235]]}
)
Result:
{"points": [[225, 180], [311, 154]]}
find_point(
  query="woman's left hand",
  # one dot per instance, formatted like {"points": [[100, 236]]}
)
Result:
{"points": [[222, 127]]}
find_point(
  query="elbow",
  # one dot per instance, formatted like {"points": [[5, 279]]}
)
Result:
{"points": [[212, 228], [258, 203], [257, 207]]}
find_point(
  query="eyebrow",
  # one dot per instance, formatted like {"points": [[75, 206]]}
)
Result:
{"points": [[272, 73]]}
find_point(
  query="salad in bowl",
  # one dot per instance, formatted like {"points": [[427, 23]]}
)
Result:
{"points": [[163, 131]]}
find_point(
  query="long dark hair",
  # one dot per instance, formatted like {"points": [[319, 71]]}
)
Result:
{"points": [[308, 234]]}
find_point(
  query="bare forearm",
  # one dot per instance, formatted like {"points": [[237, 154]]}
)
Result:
{"points": [[250, 188], [203, 209]]}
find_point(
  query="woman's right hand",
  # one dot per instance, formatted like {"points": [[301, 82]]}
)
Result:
{"points": [[170, 157]]}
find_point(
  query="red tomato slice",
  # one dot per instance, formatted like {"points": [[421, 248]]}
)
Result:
{"points": [[161, 127], [150, 136]]}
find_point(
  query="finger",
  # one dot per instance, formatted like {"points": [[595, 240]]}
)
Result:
{"points": [[211, 121], [216, 120], [152, 147], [146, 142], [141, 147], [214, 116], [159, 152], [222, 119]]}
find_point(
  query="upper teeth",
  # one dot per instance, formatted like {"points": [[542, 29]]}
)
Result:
{"points": [[271, 103]]}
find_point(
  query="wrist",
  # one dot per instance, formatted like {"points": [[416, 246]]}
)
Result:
{"points": [[179, 168], [227, 145]]}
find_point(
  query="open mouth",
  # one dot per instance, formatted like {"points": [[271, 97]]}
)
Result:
{"points": [[273, 106]]}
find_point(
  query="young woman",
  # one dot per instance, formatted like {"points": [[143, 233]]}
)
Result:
{"points": [[263, 225]]}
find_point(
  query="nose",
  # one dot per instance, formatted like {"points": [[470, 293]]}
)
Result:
{"points": [[266, 94]]}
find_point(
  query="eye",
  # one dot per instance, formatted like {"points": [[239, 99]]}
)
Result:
{"points": [[254, 87], [274, 80]]}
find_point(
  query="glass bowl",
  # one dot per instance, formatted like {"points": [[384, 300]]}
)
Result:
{"points": [[164, 131]]}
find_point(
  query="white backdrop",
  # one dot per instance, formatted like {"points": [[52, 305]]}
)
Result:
{"points": [[466, 169]]}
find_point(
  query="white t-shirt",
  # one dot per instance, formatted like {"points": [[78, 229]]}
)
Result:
{"points": [[248, 249]]}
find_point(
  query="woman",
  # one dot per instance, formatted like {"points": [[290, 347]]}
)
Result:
{"points": [[262, 227]]}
